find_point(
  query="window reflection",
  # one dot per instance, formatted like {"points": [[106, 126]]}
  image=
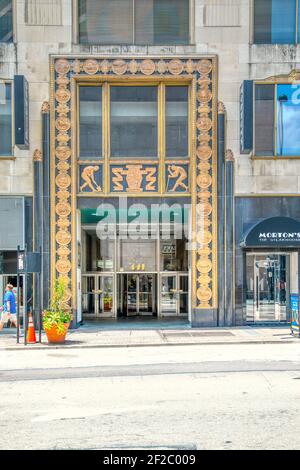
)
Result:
{"points": [[5, 120], [99, 254], [288, 120], [6, 21], [275, 21], [174, 256]]}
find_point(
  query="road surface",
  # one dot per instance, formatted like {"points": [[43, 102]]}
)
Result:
{"points": [[186, 397]]}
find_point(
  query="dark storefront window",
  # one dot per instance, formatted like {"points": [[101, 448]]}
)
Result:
{"points": [[270, 283], [133, 21], [133, 112], [275, 22], [8, 262], [90, 113], [6, 21], [5, 120], [176, 121]]}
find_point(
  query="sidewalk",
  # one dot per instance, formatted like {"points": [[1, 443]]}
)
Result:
{"points": [[102, 335]]}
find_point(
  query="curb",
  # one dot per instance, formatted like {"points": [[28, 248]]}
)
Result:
{"points": [[141, 345]]}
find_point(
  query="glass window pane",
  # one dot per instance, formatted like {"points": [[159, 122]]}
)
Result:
{"points": [[264, 120], [6, 22], [177, 121], [106, 21], [133, 119], [99, 254], [262, 21], [90, 121], [288, 120], [283, 22], [5, 120], [162, 21], [274, 22], [298, 32]]}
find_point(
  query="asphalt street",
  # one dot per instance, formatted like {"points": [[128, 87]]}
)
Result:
{"points": [[191, 397]]}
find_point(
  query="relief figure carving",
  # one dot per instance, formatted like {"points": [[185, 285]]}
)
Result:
{"points": [[178, 173], [88, 176]]}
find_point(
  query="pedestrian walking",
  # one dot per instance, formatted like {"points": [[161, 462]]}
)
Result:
{"points": [[9, 307]]}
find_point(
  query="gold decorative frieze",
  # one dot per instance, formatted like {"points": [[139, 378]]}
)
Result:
{"points": [[195, 176], [292, 77], [134, 178]]}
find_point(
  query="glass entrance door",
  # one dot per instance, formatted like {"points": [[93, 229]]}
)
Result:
{"points": [[174, 294], [105, 296], [267, 288], [139, 292], [131, 295], [97, 296]]}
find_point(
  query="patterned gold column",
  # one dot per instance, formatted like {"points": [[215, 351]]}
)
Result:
{"points": [[206, 209], [62, 210]]}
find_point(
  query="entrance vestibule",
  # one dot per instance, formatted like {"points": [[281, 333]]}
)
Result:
{"points": [[271, 280], [123, 277]]}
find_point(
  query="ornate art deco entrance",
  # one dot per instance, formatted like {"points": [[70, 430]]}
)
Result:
{"points": [[194, 177]]}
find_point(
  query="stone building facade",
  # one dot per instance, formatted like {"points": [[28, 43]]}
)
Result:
{"points": [[247, 188]]}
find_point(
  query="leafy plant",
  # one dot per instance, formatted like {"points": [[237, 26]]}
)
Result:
{"points": [[57, 315]]}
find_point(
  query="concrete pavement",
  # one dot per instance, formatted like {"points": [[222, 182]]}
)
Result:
{"points": [[101, 335]]}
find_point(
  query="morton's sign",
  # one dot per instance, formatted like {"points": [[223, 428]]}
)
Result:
{"points": [[276, 231]]}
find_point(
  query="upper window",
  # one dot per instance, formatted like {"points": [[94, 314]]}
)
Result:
{"points": [[133, 121], [276, 22], [5, 120], [90, 112], [6, 23], [133, 21], [131, 124], [177, 121], [277, 120]]}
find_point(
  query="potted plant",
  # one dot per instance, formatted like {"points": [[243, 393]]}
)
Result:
{"points": [[57, 319]]}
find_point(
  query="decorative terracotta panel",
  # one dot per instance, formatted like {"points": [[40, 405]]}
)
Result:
{"points": [[198, 176]]}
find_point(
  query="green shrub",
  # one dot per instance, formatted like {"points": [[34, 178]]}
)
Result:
{"points": [[57, 315]]}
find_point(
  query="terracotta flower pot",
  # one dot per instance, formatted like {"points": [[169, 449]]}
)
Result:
{"points": [[54, 337]]}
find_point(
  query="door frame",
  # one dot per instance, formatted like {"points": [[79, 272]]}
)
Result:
{"points": [[177, 275], [154, 294], [97, 314], [265, 254]]}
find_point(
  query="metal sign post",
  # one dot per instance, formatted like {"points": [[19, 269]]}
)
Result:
{"points": [[18, 295], [28, 263]]}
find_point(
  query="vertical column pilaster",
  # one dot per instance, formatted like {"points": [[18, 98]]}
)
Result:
{"points": [[46, 204], [229, 232], [37, 223], [221, 211]]}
